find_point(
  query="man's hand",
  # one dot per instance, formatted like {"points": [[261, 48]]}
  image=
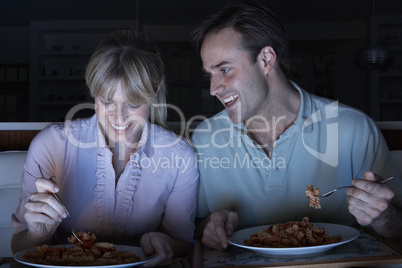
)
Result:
{"points": [[158, 243], [221, 224], [368, 199]]}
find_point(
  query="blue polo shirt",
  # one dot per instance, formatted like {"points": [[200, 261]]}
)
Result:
{"points": [[327, 146]]}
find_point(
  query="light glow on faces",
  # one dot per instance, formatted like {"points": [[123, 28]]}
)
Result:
{"points": [[231, 98], [120, 120], [119, 128], [239, 84]]}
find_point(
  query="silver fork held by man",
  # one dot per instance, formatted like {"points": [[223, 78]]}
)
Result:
{"points": [[336, 189], [64, 207]]}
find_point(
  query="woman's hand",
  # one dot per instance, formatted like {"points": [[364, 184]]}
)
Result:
{"points": [[43, 212], [159, 243]]}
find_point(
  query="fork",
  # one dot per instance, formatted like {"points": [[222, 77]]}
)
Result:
{"points": [[336, 189], [61, 203]]}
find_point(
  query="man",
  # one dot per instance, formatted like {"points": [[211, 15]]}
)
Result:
{"points": [[257, 156]]}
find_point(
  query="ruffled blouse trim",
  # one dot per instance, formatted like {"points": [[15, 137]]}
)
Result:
{"points": [[105, 182], [106, 187], [131, 184]]}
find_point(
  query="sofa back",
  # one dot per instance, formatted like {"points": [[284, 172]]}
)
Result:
{"points": [[11, 168]]}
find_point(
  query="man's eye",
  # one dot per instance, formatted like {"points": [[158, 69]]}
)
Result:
{"points": [[225, 70]]}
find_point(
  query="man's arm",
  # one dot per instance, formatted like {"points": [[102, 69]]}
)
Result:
{"points": [[165, 248], [200, 224], [370, 203], [389, 223], [216, 228]]}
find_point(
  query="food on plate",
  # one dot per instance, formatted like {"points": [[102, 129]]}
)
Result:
{"points": [[87, 238], [89, 253], [291, 234], [312, 195]]}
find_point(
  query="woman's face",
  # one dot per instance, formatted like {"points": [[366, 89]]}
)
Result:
{"points": [[120, 120]]}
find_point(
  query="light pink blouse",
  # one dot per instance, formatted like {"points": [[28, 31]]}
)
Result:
{"points": [[156, 192]]}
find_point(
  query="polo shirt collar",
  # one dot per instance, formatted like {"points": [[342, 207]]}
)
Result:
{"points": [[303, 115]]}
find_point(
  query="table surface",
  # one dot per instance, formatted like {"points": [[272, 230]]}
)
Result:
{"points": [[367, 250], [9, 262]]}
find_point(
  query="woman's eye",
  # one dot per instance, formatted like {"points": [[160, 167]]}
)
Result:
{"points": [[133, 106], [104, 102]]}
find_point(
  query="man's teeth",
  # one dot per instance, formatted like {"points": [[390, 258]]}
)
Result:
{"points": [[119, 127], [230, 98]]}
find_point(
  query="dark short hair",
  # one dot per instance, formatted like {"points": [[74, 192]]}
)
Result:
{"points": [[258, 26]]}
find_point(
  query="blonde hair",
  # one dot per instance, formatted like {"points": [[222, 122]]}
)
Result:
{"points": [[128, 57]]}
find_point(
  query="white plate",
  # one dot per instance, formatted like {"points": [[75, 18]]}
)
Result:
{"points": [[348, 234], [19, 256]]}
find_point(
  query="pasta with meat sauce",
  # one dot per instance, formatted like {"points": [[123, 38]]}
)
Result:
{"points": [[313, 196], [89, 253], [291, 234]]}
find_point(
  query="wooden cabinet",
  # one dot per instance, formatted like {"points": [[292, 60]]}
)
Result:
{"points": [[386, 85], [58, 57]]}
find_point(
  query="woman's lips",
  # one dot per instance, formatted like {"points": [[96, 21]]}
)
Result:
{"points": [[120, 128]]}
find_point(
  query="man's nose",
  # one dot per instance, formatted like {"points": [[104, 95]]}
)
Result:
{"points": [[216, 85]]}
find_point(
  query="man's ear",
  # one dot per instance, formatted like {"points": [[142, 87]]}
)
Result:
{"points": [[267, 58]]}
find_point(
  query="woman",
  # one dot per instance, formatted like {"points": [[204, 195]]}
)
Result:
{"points": [[120, 174]]}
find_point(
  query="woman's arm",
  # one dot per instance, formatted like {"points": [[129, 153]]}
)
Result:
{"points": [[180, 209], [174, 237], [39, 213], [43, 214], [22, 241]]}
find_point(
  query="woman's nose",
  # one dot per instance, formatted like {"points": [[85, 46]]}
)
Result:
{"points": [[119, 113]]}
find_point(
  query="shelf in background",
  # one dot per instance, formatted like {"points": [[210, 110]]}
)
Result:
{"points": [[60, 51]]}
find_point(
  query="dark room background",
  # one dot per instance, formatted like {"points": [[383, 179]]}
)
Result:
{"points": [[45, 45]]}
